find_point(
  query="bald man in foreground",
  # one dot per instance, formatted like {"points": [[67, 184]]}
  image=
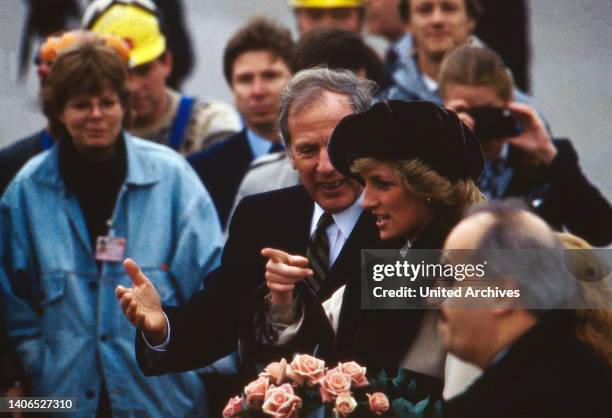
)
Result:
{"points": [[534, 365]]}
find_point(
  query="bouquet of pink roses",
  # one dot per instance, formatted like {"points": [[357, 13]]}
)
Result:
{"points": [[305, 387]]}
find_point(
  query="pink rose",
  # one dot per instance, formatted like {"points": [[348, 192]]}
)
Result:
{"points": [[255, 391], [379, 403], [345, 404], [356, 372], [333, 384], [276, 371], [281, 402], [305, 368], [233, 407]]}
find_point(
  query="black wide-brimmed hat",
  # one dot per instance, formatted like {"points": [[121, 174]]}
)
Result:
{"points": [[394, 130]]}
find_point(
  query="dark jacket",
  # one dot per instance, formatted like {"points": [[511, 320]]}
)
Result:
{"points": [[221, 169], [547, 373], [206, 328], [13, 157], [562, 195]]}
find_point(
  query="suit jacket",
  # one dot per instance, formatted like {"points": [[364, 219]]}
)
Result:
{"points": [[206, 328], [13, 157], [221, 168], [547, 373], [562, 195]]}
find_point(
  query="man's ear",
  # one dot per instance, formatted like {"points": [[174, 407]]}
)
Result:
{"points": [[291, 157], [471, 24], [167, 62], [504, 304]]}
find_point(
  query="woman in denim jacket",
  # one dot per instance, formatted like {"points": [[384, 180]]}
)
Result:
{"points": [[67, 222]]}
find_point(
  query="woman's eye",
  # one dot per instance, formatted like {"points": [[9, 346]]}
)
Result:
{"points": [[108, 103], [383, 185], [80, 105]]}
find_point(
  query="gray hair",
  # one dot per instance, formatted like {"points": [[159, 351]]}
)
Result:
{"points": [[308, 86], [531, 256]]}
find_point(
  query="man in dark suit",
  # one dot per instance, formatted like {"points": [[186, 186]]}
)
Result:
{"points": [[257, 64], [206, 328], [534, 364]]}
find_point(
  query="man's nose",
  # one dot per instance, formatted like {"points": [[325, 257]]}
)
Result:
{"points": [[324, 166], [259, 87], [437, 15], [135, 83]]}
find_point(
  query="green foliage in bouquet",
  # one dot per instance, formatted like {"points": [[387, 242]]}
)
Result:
{"points": [[306, 388]]}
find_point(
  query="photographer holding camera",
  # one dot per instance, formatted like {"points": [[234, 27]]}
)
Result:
{"points": [[521, 157]]}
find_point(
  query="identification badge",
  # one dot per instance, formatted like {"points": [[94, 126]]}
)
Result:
{"points": [[110, 249]]}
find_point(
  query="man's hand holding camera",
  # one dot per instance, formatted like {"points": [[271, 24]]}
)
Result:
{"points": [[533, 140]]}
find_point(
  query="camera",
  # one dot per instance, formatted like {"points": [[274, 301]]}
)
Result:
{"points": [[494, 123]]}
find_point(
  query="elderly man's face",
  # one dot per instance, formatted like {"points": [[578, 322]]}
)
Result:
{"points": [[347, 18], [310, 131]]}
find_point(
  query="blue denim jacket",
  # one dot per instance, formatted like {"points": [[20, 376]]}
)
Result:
{"points": [[61, 311]]}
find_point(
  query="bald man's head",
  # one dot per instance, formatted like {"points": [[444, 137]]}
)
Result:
{"points": [[501, 225], [521, 253]]}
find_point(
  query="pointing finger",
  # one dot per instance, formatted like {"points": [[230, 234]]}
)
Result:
{"points": [[276, 255], [279, 256]]}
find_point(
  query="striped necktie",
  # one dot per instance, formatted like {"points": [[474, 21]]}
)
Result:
{"points": [[318, 252]]}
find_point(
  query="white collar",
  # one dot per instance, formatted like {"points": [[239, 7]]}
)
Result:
{"points": [[345, 220], [430, 83]]}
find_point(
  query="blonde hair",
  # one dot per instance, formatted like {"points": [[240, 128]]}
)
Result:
{"points": [[449, 200], [594, 325]]}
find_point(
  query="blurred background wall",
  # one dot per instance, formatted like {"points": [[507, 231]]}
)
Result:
{"points": [[571, 68]]}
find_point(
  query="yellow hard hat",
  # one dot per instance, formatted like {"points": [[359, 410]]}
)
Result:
{"points": [[137, 25], [325, 4]]}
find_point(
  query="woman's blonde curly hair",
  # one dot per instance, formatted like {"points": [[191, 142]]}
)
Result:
{"points": [[448, 199], [595, 321]]}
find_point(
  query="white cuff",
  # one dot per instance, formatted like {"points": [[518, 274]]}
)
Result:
{"points": [[162, 347]]}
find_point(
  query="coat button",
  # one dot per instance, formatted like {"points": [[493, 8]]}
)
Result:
{"points": [[93, 285], [103, 337], [90, 394]]}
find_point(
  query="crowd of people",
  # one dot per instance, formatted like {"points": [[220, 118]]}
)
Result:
{"points": [[156, 248]]}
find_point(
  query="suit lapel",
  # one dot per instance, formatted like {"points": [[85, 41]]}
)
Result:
{"points": [[296, 222]]}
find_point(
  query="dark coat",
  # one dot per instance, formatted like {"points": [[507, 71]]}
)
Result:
{"points": [[562, 195], [13, 157], [206, 328], [547, 373], [221, 169]]}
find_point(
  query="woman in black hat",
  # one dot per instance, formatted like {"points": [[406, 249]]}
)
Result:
{"points": [[418, 163]]}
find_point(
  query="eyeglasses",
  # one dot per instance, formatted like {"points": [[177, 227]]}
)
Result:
{"points": [[96, 9], [85, 106]]}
